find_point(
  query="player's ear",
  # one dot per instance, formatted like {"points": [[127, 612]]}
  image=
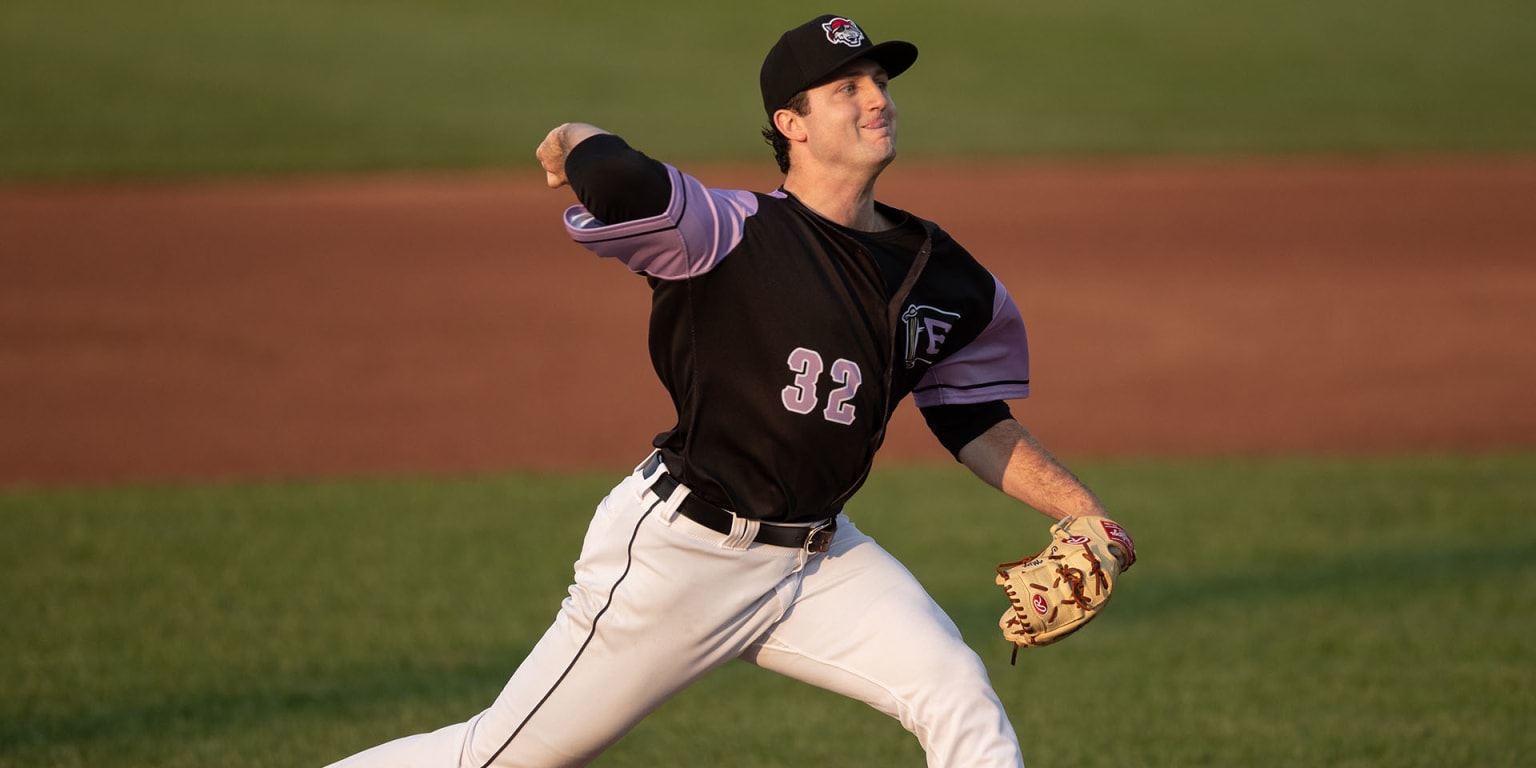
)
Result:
{"points": [[790, 124]]}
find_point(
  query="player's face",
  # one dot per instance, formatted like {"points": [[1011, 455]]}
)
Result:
{"points": [[852, 119]]}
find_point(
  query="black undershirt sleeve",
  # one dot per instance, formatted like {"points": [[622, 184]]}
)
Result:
{"points": [[957, 425], [615, 182]]}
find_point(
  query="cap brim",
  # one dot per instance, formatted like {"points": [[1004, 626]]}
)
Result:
{"points": [[894, 56]]}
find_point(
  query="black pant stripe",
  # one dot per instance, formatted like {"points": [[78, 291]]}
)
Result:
{"points": [[629, 561]]}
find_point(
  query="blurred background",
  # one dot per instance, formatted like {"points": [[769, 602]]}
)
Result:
{"points": [[95, 89], [278, 239]]}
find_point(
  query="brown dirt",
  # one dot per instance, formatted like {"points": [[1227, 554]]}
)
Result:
{"points": [[434, 325]]}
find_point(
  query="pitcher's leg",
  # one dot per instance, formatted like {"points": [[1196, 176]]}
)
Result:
{"points": [[862, 626], [655, 605], [526, 726], [443, 747], [604, 565]]}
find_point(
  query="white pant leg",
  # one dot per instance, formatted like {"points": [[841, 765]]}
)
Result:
{"points": [[863, 627], [658, 601]]}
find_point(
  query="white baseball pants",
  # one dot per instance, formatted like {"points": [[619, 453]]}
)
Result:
{"points": [[659, 601]]}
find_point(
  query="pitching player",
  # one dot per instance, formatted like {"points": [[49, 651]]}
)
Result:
{"points": [[786, 326]]}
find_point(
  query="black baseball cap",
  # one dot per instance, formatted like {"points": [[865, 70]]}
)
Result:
{"points": [[816, 50]]}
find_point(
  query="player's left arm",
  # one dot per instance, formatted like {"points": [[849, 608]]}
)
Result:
{"points": [[1057, 591], [1010, 459], [962, 398]]}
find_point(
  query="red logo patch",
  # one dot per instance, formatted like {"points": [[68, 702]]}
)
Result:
{"points": [[1040, 605], [1118, 534], [844, 32]]}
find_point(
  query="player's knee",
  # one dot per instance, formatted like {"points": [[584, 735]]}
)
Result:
{"points": [[958, 718], [955, 677]]}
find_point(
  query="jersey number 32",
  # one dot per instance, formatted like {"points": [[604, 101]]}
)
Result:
{"points": [[800, 396]]}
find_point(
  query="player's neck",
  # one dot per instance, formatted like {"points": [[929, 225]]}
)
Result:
{"points": [[845, 200]]}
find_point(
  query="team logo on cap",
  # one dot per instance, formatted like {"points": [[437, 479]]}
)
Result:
{"points": [[844, 32]]}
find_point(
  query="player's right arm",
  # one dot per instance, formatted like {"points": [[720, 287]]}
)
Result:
{"points": [[654, 218], [613, 181]]}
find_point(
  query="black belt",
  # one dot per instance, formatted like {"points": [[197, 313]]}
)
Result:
{"points": [[814, 539]]}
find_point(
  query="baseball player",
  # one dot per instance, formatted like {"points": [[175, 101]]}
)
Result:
{"points": [[786, 327]]}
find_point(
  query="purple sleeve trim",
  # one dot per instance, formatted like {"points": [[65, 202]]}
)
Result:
{"points": [[993, 367], [700, 226]]}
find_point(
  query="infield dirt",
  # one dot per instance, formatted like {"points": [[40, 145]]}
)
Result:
{"points": [[446, 325]]}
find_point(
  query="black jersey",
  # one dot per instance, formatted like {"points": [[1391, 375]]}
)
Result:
{"points": [[786, 345]]}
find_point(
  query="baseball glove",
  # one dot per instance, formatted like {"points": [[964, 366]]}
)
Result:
{"points": [[1056, 592]]}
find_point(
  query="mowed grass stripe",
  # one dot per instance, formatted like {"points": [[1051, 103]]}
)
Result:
{"points": [[1285, 612]]}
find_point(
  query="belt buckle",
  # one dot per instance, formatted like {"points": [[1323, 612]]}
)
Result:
{"points": [[819, 540]]}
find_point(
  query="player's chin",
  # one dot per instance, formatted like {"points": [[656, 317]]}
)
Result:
{"points": [[883, 141]]}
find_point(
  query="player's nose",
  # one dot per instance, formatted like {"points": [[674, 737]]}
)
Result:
{"points": [[877, 99]]}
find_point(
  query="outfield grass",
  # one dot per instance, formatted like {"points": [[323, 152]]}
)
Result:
{"points": [[164, 87], [1359, 612]]}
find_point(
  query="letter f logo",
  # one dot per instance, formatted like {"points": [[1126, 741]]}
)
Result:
{"points": [[927, 329]]}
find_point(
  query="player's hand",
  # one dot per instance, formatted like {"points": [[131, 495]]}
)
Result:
{"points": [[1058, 591], [551, 154], [553, 150]]}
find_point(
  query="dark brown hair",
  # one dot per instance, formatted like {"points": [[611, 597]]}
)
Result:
{"points": [[800, 104]]}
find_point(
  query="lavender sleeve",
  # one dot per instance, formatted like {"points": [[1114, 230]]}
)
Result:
{"points": [[699, 227], [995, 366]]}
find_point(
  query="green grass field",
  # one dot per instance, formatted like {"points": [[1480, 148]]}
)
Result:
{"points": [[1360, 612], [162, 87]]}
